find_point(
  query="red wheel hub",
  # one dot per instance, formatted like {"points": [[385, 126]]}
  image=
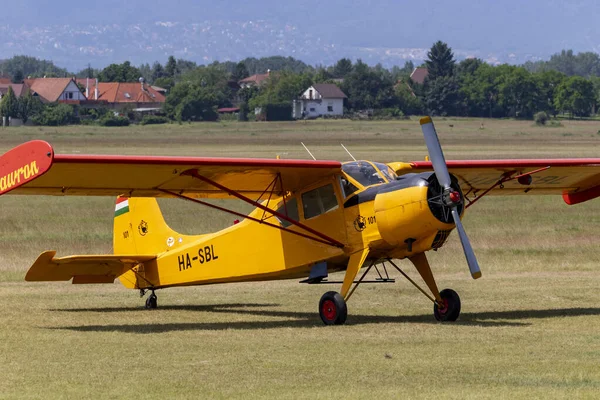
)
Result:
{"points": [[329, 310], [443, 308]]}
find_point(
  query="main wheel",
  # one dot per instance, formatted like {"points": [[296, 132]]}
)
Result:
{"points": [[451, 309], [151, 302], [332, 309]]}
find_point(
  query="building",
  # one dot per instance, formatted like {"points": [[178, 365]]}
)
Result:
{"points": [[419, 74], [18, 88], [319, 100], [254, 80], [52, 90], [140, 97], [118, 95]]}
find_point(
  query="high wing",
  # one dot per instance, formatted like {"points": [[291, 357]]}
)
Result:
{"points": [[83, 269], [33, 168], [578, 180]]}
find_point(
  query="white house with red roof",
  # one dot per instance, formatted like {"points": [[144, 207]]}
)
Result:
{"points": [[52, 90], [319, 100]]}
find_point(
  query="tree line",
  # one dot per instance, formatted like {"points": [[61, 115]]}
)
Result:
{"points": [[566, 83]]}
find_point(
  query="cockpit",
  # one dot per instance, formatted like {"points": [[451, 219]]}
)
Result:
{"points": [[366, 174]]}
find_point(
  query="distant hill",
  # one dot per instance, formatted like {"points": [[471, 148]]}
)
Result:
{"points": [[72, 33]]}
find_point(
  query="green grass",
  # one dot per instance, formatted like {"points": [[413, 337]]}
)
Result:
{"points": [[528, 328]]}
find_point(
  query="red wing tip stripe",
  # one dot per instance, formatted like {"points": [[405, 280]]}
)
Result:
{"points": [[121, 199]]}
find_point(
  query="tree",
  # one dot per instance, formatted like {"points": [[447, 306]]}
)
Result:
{"points": [[120, 73], [517, 92], [440, 61], [576, 96], [29, 106], [157, 72], [342, 68], [442, 96], [9, 106], [18, 77], [367, 88], [240, 72], [547, 82], [171, 67]]}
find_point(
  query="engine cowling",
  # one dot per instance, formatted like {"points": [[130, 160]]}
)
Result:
{"points": [[413, 208]]}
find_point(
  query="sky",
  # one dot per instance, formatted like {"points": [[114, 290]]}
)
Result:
{"points": [[524, 26]]}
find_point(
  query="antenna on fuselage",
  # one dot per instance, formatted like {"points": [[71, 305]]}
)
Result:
{"points": [[350, 154], [306, 148]]}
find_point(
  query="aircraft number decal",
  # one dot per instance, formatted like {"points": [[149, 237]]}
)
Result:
{"points": [[205, 254]]}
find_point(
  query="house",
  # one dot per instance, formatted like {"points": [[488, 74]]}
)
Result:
{"points": [[254, 80], [18, 88], [52, 90], [419, 74], [139, 96], [318, 100], [118, 95]]}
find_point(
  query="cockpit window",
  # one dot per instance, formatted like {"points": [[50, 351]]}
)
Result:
{"points": [[389, 173], [363, 172]]}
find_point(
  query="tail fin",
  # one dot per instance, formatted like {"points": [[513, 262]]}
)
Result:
{"points": [[139, 228]]}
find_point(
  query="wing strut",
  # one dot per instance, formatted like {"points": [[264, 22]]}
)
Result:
{"points": [[321, 238]]}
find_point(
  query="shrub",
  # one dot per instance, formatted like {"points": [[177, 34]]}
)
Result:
{"points": [[154, 120], [112, 120], [55, 115], [541, 118]]}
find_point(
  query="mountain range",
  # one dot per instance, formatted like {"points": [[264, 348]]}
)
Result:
{"points": [[72, 33]]}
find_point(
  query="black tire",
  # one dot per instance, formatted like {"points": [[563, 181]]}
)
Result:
{"points": [[451, 311], [332, 309], [151, 302]]}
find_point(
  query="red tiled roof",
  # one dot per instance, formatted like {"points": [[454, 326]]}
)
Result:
{"points": [[19, 88], [48, 89], [256, 78], [419, 75], [4, 81], [126, 92], [228, 109]]}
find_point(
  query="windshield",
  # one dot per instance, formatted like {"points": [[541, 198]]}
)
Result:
{"points": [[363, 172], [389, 173]]}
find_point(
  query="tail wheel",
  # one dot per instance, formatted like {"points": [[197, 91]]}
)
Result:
{"points": [[332, 309], [151, 302], [451, 307]]}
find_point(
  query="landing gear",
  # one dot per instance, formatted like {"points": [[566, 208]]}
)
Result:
{"points": [[332, 309], [151, 301], [450, 310]]}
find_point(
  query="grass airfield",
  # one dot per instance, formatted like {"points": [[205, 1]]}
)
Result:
{"points": [[529, 328]]}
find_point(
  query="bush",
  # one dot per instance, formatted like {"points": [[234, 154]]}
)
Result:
{"points": [[278, 112], [388, 113], [541, 118], [154, 120], [243, 114], [55, 115], [111, 120]]}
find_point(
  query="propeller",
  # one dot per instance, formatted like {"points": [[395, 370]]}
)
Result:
{"points": [[450, 197]]}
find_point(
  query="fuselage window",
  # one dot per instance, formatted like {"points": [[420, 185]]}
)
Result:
{"points": [[318, 201], [291, 205]]}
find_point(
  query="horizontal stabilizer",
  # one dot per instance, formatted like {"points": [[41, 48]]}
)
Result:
{"points": [[83, 269]]}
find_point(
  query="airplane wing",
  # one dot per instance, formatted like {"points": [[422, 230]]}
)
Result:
{"points": [[33, 168], [83, 269], [578, 180]]}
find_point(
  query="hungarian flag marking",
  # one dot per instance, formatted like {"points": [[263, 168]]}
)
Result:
{"points": [[122, 206]]}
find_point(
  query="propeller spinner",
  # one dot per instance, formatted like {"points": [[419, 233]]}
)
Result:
{"points": [[451, 197]]}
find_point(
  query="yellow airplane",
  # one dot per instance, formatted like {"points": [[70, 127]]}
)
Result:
{"points": [[311, 218]]}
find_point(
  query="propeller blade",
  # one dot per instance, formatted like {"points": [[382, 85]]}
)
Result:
{"points": [[464, 240], [435, 152]]}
